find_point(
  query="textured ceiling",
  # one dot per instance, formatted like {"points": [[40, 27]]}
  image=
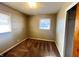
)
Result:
{"points": [[42, 7]]}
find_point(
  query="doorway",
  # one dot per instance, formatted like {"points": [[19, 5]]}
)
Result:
{"points": [[69, 31]]}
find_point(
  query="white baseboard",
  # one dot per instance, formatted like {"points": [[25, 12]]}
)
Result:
{"points": [[58, 49], [43, 39], [13, 46]]}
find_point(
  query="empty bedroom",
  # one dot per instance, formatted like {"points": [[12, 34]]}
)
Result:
{"points": [[33, 29]]}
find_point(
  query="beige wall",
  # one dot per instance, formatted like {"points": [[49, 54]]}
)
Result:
{"points": [[60, 27], [35, 32], [19, 28]]}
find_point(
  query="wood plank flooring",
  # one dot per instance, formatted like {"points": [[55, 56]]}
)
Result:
{"points": [[34, 48]]}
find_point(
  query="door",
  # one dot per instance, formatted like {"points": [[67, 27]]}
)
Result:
{"points": [[76, 34]]}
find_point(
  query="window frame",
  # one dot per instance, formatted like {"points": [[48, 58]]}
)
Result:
{"points": [[48, 21], [8, 26]]}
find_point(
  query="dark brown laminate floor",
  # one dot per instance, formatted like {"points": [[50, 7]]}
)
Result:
{"points": [[34, 48]]}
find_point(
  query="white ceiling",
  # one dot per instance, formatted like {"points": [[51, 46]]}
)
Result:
{"points": [[42, 7]]}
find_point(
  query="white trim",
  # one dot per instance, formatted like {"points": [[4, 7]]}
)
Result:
{"points": [[58, 49], [13, 46], [42, 39], [70, 6]]}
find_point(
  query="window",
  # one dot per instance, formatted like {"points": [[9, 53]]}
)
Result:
{"points": [[45, 23], [5, 25]]}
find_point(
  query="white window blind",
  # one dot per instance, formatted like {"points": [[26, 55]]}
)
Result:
{"points": [[5, 25]]}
